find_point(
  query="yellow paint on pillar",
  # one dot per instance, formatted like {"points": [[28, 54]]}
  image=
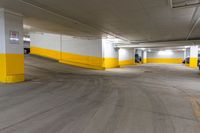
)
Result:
{"points": [[144, 60], [193, 62], [11, 68], [126, 62], [110, 63]]}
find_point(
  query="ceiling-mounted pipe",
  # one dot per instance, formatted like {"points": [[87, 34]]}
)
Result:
{"points": [[193, 27], [171, 3], [186, 6], [195, 23], [183, 6]]}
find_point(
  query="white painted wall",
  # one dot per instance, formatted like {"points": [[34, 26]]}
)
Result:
{"points": [[79, 46], [103, 48], [109, 50], [125, 54], [173, 54], [45, 40], [82, 46]]}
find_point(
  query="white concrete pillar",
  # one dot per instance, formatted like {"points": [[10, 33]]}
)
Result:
{"points": [[110, 54], [144, 56], [125, 57], [11, 47], [193, 56]]}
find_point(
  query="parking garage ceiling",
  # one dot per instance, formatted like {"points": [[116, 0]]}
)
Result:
{"points": [[132, 20]]}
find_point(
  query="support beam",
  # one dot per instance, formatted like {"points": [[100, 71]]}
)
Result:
{"points": [[11, 47]]}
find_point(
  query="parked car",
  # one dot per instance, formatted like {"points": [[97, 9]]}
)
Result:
{"points": [[26, 47], [199, 61], [186, 60], [199, 65], [138, 59]]}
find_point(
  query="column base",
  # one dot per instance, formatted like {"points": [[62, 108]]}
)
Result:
{"points": [[126, 62], [12, 78], [193, 62], [144, 61], [111, 63]]}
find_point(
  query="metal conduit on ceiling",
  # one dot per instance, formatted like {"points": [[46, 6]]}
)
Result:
{"points": [[184, 3]]}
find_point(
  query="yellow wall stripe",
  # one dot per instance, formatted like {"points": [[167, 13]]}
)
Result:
{"points": [[12, 68], [82, 61], [91, 62], [165, 60], [53, 54], [126, 62]]}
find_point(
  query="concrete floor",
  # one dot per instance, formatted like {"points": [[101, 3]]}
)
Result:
{"points": [[140, 99]]}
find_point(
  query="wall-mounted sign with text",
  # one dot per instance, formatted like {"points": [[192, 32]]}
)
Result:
{"points": [[14, 37]]}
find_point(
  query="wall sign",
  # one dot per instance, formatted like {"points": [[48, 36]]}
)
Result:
{"points": [[14, 37]]}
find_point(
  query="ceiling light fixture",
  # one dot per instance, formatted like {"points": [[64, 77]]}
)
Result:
{"points": [[149, 50], [165, 52]]}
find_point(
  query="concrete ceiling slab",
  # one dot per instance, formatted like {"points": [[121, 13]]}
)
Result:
{"points": [[134, 20]]}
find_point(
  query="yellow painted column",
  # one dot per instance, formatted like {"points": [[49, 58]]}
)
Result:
{"points": [[193, 57], [11, 47]]}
